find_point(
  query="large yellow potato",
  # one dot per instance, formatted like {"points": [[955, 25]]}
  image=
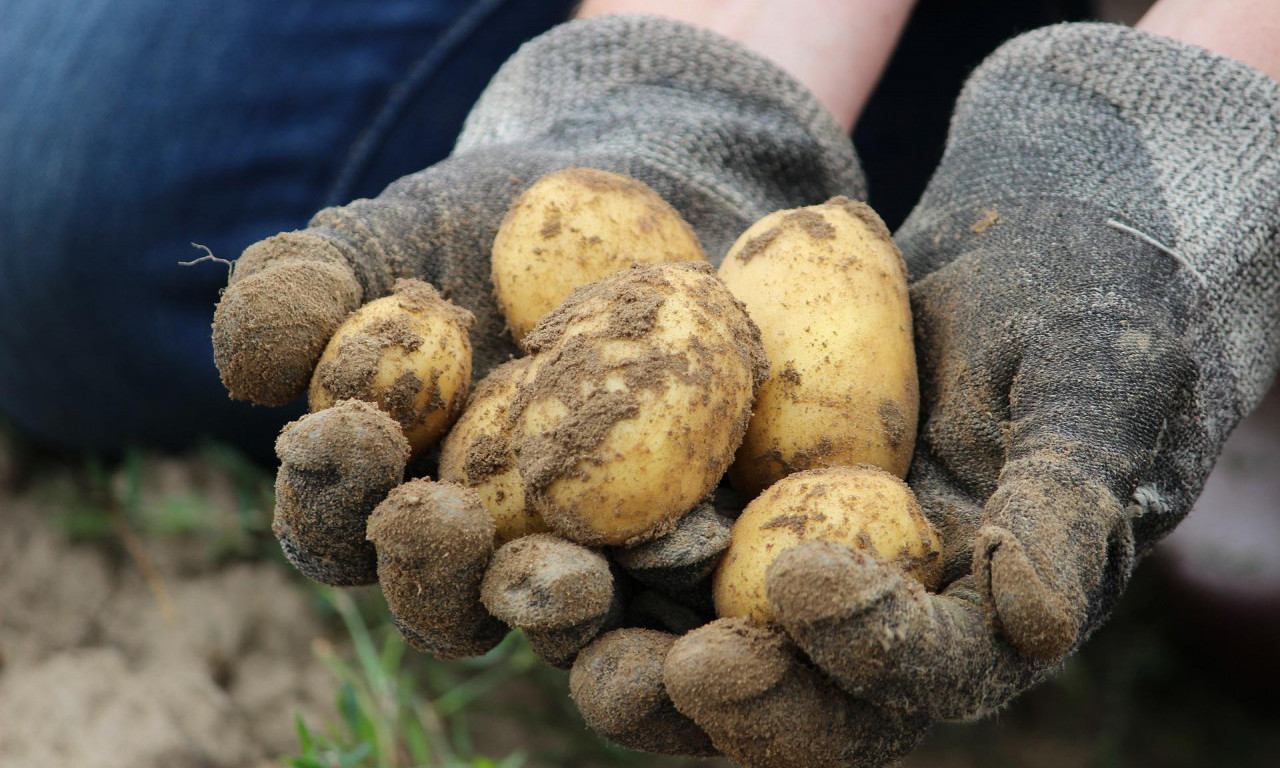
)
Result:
{"points": [[477, 454], [828, 289], [862, 508], [410, 353], [574, 227], [638, 393]]}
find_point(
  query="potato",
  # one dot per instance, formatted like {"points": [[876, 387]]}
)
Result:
{"points": [[410, 353], [477, 454], [574, 227], [828, 289], [638, 393], [860, 507]]}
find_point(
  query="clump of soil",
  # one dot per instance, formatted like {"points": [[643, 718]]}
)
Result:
{"points": [[195, 665]]}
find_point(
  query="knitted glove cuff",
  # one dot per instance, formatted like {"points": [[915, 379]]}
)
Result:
{"points": [[690, 109]]}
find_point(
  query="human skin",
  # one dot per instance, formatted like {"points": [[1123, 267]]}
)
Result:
{"points": [[837, 48], [842, 58], [1245, 30]]}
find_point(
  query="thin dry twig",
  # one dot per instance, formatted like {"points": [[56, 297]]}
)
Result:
{"points": [[208, 256]]}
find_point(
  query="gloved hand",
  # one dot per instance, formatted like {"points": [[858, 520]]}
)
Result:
{"points": [[720, 133], [1096, 269]]}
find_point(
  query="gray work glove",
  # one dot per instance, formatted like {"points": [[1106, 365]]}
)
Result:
{"points": [[1096, 269], [723, 135]]}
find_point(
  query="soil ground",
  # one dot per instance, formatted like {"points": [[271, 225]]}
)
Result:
{"points": [[147, 620]]}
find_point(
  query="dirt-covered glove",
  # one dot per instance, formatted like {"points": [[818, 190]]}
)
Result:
{"points": [[720, 133], [1096, 269]]}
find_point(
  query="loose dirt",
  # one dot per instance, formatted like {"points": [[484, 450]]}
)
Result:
{"points": [[182, 663]]}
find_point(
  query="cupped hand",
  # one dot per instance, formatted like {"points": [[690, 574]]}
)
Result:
{"points": [[721, 134], [1094, 275]]}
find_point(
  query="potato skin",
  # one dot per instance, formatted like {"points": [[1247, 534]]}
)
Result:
{"points": [[574, 227], [639, 391], [860, 507], [477, 454], [410, 353], [828, 289]]}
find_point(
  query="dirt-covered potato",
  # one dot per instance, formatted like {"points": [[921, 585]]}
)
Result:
{"points": [[477, 454], [828, 289], [409, 352], [574, 227], [860, 507], [638, 394]]}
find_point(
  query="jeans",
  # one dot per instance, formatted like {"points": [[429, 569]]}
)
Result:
{"points": [[131, 128]]}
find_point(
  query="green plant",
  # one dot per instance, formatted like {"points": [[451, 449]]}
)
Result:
{"points": [[215, 496], [387, 715]]}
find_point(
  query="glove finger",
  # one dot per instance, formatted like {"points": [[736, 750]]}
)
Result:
{"points": [[434, 542], [336, 465], [617, 684], [747, 687], [949, 508], [287, 296], [289, 292], [1056, 545], [560, 593], [685, 557], [652, 609], [1043, 551], [884, 639]]}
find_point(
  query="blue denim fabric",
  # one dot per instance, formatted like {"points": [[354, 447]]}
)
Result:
{"points": [[131, 128]]}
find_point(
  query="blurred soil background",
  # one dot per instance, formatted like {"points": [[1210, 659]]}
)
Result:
{"points": [[148, 619]]}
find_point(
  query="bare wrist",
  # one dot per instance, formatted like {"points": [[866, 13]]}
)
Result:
{"points": [[836, 48], [1245, 30]]}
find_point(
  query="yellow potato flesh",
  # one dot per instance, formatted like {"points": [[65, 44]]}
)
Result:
{"points": [[477, 454], [828, 289], [623, 427], [574, 227], [862, 508], [410, 353]]}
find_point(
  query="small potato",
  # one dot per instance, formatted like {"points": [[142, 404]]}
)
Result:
{"points": [[477, 454], [861, 507], [574, 227], [828, 289], [638, 393], [410, 353]]}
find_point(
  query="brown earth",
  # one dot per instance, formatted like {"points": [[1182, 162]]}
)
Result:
{"points": [[162, 657], [163, 640]]}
